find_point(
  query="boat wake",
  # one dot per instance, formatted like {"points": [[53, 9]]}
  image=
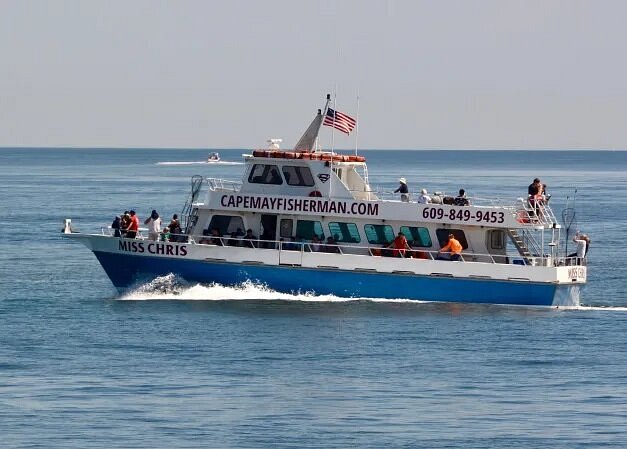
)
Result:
{"points": [[171, 287], [200, 163]]}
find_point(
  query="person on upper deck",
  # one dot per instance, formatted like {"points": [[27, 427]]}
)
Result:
{"points": [[452, 250], [403, 190], [424, 197], [534, 188], [461, 200]]}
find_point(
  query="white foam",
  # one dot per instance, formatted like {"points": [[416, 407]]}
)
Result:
{"points": [[171, 288]]}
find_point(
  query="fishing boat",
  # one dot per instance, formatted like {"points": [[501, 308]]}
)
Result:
{"points": [[213, 157], [307, 220]]}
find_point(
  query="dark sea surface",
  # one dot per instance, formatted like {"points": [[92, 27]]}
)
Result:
{"points": [[176, 365]]}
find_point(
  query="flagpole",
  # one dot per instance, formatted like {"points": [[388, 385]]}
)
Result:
{"points": [[334, 112], [357, 124], [324, 114]]}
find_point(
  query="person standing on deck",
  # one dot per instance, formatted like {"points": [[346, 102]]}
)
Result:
{"points": [[453, 248], [403, 189], [154, 225], [133, 227]]}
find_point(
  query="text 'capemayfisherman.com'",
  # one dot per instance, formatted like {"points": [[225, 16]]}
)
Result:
{"points": [[315, 205]]}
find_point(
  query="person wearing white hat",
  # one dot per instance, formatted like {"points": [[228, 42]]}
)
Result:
{"points": [[424, 197], [403, 189]]}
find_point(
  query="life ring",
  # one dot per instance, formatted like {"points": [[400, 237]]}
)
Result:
{"points": [[315, 193]]}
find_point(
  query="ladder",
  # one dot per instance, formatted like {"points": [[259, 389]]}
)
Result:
{"points": [[523, 243], [186, 214]]}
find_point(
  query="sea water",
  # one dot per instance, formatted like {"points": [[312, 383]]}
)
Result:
{"points": [[178, 365]]}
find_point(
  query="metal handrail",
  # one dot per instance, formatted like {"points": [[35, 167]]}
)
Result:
{"points": [[280, 245], [223, 184]]}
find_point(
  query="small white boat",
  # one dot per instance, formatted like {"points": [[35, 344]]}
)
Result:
{"points": [[287, 202], [213, 157]]}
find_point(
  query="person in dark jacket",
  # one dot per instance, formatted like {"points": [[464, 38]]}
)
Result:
{"points": [[116, 227], [403, 190]]}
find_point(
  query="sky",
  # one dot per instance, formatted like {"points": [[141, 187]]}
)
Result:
{"points": [[500, 74]]}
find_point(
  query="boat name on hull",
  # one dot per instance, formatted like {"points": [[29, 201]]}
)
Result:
{"points": [[577, 273], [157, 248]]}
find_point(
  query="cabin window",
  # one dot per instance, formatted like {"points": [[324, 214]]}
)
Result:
{"points": [[417, 236], [344, 232], [298, 176], [265, 174], [305, 229], [227, 224], [496, 239], [442, 235], [286, 227], [379, 234]]}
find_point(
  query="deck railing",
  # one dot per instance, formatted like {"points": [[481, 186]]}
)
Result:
{"points": [[370, 251]]}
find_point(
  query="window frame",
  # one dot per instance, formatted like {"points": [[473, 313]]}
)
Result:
{"points": [[299, 170], [379, 242], [410, 237], [341, 234], [265, 175], [458, 233]]}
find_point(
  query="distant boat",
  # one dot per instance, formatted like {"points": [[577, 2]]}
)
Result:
{"points": [[213, 157]]}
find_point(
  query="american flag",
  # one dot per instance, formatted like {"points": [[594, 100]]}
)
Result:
{"points": [[339, 121]]}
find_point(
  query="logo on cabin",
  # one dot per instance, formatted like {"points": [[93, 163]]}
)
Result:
{"points": [[324, 177]]}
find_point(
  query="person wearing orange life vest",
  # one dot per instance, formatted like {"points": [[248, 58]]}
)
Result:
{"points": [[453, 249], [400, 245]]}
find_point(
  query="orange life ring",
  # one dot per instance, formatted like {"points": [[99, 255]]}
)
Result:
{"points": [[315, 193]]}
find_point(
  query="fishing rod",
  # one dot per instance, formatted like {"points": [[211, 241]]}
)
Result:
{"points": [[568, 217]]}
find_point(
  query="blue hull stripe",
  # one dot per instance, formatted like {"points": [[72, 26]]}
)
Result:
{"points": [[125, 270]]}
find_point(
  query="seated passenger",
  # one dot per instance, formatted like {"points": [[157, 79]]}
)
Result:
{"points": [[400, 245], [331, 246], [205, 240], [315, 244], [233, 240], [461, 200], [216, 238], [452, 250], [249, 239], [164, 236], [424, 197]]}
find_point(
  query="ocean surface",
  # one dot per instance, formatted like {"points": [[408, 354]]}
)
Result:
{"points": [[174, 365]]}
